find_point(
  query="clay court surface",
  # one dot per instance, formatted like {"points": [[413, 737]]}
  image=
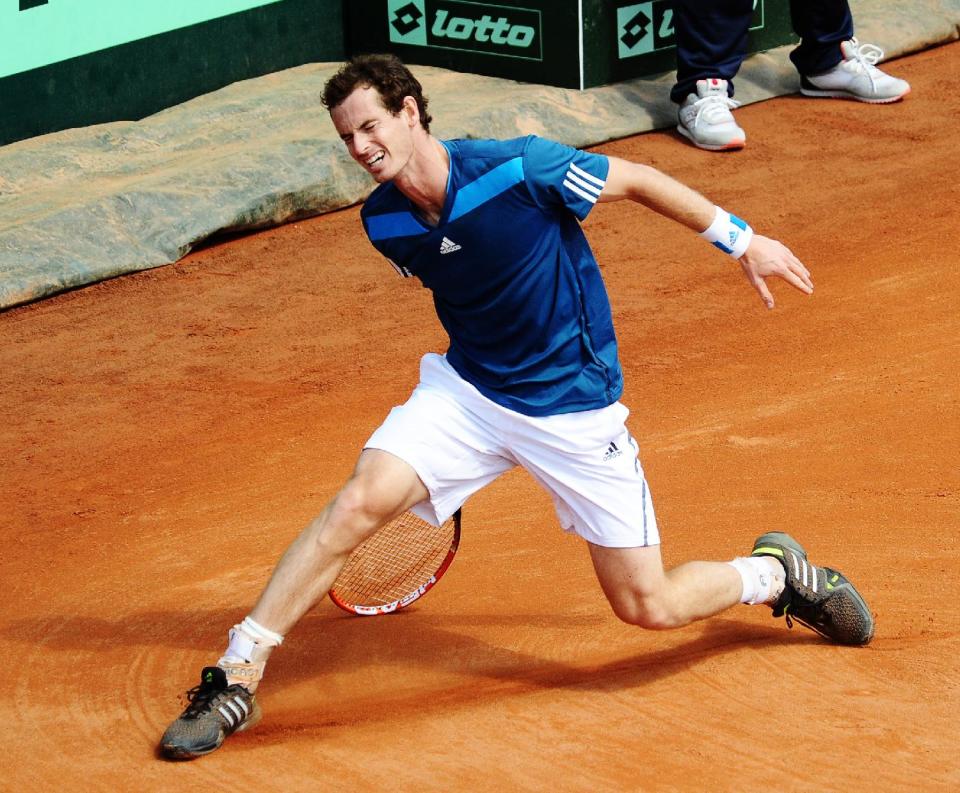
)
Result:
{"points": [[166, 434]]}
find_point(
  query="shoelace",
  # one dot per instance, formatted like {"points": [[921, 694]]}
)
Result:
{"points": [[790, 622], [787, 617], [784, 611], [865, 60], [200, 698], [712, 107]]}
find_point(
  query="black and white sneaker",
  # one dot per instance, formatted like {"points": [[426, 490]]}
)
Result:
{"points": [[821, 598], [216, 710]]}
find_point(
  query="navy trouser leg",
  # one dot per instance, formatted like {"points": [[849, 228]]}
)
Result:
{"points": [[711, 41], [821, 26]]}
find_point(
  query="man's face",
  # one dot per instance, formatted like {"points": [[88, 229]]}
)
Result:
{"points": [[380, 141]]}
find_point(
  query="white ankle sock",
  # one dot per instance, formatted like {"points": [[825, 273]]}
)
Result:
{"points": [[260, 634], [762, 576], [247, 652]]}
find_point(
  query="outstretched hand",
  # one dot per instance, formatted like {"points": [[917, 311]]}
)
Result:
{"points": [[765, 257]]}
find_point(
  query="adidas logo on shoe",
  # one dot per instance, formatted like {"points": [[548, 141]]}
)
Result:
{"points": [[821, 598], [217, 709], [448, 246]]}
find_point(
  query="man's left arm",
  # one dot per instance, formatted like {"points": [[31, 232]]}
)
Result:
{"points": [[762, 257]]}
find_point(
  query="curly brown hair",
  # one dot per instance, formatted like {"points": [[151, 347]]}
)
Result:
{"points": [[384, 73]]}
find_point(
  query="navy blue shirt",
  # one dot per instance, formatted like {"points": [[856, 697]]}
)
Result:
{"points": [[514, 281]]}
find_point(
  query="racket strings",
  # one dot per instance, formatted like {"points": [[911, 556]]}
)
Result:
{"points": [[395, 561]]}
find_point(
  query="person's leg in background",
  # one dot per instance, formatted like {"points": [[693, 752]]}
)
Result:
{"points": [[711, 45], [821, 25], [832, 62]]}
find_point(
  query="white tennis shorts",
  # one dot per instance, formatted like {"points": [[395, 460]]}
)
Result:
{"points": [[458, 441]]}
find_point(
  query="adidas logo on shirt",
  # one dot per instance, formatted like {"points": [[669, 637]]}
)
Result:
{"points": [[448, 246]]}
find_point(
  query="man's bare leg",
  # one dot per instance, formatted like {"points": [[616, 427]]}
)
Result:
{"points": [[642, 593], [382, 486]]}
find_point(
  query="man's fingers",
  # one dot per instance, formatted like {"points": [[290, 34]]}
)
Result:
{"points": [[761, 286], [768, 257], [797, 269], [799, 280]]}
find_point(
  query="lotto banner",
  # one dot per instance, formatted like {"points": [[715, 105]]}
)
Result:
{"points": [[568, 43], [468, 26], [531, 40], [36, 33]]}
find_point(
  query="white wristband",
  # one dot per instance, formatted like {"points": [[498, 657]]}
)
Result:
{"points": [[728, 233]]}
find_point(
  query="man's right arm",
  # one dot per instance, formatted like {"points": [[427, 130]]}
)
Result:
{"points": [[663, 194], [657, 191]]}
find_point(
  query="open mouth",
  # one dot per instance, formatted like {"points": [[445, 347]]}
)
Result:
{"points": [[375, 160]]}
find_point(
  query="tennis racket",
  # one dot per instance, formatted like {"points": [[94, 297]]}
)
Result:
{"points": [[396, 566]]}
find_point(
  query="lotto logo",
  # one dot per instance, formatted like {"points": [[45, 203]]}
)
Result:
{"points": [[406, 20], [463, 25], [644, 27]]}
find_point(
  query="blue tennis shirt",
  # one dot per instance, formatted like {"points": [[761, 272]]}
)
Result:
{"points": [[514, 282]]}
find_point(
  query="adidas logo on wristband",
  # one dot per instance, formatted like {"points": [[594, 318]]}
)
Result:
{"points": [[728, 233]]}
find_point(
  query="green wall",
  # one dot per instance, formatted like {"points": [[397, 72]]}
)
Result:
{"points": [[170, 55]]}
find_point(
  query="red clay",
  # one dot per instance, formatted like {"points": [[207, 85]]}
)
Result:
{"points": [[167, 433]]}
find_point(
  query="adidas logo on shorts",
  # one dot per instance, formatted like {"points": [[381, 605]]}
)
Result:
{"points": [[612, 452]]}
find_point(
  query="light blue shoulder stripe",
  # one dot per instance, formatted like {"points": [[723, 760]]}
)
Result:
{"points": [[393, 224], [490, 185]]}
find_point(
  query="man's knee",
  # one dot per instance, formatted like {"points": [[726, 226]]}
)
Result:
{"points": [[357, 504], [636, 586], [644, 608], [353, 516], [380, 488]]}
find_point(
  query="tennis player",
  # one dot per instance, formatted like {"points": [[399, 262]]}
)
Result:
{"points": [[531, 377]]}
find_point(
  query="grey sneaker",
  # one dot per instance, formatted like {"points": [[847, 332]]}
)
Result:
{"points": [[216, 710], [705, 118], [856, 77], [822, 599]]}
